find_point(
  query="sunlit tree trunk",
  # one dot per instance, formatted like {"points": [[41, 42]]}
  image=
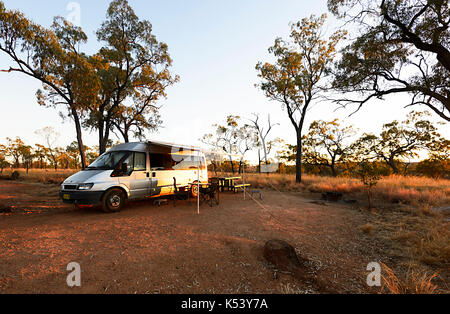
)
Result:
{"points": [[79, 138], [298, 162]]}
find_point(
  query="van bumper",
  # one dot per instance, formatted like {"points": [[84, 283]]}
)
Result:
{"points": [[81, 197]]}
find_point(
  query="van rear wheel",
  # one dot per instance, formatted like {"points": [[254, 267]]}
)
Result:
{"points": [[194, 189], [113, 201]]}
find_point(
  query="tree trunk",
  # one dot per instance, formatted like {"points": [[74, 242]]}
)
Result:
{"points": [[369, 196], [333, 168], [100, 139], [298, 162], [259, 161], [265, 150], [232, 165], [240, 166], [126, 137], [79, 138], [104, 137], [393, 165]]}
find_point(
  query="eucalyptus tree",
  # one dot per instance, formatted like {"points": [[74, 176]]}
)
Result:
{"points": [[297, 77], [12, 149], [132, 65], [50, 137], [263, 134], [399, 140], [52, 57], [403, 47], [327, 144]]}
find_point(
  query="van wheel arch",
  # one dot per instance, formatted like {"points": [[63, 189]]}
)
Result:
{"points": [[116, 188], [123, 193]]}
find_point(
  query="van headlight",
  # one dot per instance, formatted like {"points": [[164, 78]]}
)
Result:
{"points": [[85, 186]]}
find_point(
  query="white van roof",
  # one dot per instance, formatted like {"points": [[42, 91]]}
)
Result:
{"points": [[142, 146]]}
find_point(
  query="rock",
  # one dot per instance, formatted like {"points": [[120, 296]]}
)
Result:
{"points": [[319, 203], [441, 209], [332, 196], [283, 256], [5, 209]]}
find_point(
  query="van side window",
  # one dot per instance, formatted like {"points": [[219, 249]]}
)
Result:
{"points": [[140, 161], [161, 161], [188, 162], [129, 162]]}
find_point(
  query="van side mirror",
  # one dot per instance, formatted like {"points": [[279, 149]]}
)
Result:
{"points": [[124, 167]]}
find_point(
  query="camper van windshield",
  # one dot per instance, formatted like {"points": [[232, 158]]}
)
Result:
{"points": [[108, 161]]}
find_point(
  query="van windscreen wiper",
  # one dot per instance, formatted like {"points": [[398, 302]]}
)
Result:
{"points": [[98, 168]]}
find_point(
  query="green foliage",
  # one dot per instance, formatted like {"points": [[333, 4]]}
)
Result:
{"points": [[296, 79], [51, 56], [326, 145], [402, 48], [134, 65], [287, 153], [117, 88], [399, 140], [438, 163], [3, 162], [234, 138], [369, 173]]}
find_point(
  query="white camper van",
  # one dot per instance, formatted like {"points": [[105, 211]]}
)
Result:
{"points": [[135, 171]]}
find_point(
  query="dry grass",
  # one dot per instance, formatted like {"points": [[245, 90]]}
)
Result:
{"points": [[418, 244], [367, 228], [413, 282], [418, 191], [423, 239], [414, 234], [395, 189], [47, 176], [293, 289], [432, 245]]}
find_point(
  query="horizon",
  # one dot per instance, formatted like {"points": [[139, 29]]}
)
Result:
{"points": [[216, 62]]}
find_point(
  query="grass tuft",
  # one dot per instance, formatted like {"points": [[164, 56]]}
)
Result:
{"points": [[412, 283]]}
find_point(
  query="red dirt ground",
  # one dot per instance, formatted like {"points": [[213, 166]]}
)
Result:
{"points": [[151, 249]]}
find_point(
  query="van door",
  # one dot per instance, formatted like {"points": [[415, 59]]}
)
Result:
{"points": [[161, 172], [139, 181]]}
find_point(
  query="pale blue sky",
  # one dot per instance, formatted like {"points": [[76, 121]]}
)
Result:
{"points": [[215, 45]]}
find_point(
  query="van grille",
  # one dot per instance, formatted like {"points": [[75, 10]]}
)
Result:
{"points": [[70, 187]]}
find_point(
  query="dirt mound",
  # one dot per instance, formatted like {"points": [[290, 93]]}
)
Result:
{"points": [[5, 209], [284, 257], [14, 176]]}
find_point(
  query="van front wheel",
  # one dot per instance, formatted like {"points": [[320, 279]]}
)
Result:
{"points": [[113, 201]]}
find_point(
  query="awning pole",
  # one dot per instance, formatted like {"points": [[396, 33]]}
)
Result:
{"points": [[243, 176], [198, 183]]}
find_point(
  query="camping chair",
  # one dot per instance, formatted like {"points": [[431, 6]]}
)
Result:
{"points": [[211, 193], [179, 193]]}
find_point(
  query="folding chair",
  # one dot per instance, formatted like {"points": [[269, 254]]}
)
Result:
{"points": [[211, 193], [179, 193]]}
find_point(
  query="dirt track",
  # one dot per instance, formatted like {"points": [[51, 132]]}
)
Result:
{"points": [[150, 249]]}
